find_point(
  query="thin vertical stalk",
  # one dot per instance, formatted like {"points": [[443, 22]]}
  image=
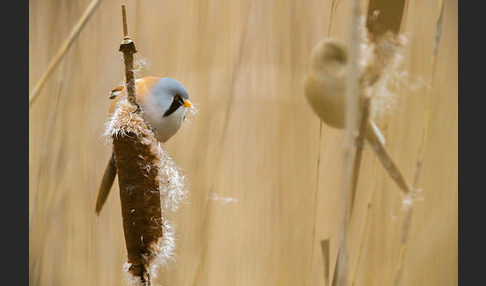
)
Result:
{"points": [[316, 191], [127, 47], [361, 241], [420, 156], [360, 140], [351, 115], [366, 223]]}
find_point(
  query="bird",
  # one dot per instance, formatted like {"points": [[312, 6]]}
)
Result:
{"points": [[325, 91], [163, 104]]}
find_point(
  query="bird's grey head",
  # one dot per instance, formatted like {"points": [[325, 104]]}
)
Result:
{"points": [[171, 94]]}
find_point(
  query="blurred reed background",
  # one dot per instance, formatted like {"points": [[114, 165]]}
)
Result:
{"points": [[254, 140]]}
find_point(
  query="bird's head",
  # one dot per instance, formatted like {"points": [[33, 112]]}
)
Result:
{"points": [[165, 107], [171, 95], [328, 55]]}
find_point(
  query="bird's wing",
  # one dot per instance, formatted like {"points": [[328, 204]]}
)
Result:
{"points": [[106, 183], [116, 91]]}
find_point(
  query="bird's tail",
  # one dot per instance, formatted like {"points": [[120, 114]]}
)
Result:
{"points": [[106, 183], [377, 142]]}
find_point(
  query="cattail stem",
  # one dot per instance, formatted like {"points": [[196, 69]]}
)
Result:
{"points": [[124, 21], [127, 47], [138, 158]]}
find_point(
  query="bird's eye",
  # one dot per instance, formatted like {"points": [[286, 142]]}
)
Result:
{"points": [[175, 97]]}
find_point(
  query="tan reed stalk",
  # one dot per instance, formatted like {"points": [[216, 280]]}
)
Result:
{"points": [[316, 191], [366, 222], [352, 91], [360, 141], [73, 35], [361, 241], [418, 166]]}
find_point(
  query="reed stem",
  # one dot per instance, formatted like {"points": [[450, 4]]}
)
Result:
{"points": [[316, 191], [352, 92], [73, 35], [366, 223], [420, 156]]}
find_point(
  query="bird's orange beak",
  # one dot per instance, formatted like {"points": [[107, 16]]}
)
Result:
{"points": [[187, 103]]}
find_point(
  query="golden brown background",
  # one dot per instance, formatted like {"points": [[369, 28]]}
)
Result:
{"points": [[254, 140]]}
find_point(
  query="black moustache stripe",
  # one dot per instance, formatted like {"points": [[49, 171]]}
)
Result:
{"points": [[176, 103]]}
